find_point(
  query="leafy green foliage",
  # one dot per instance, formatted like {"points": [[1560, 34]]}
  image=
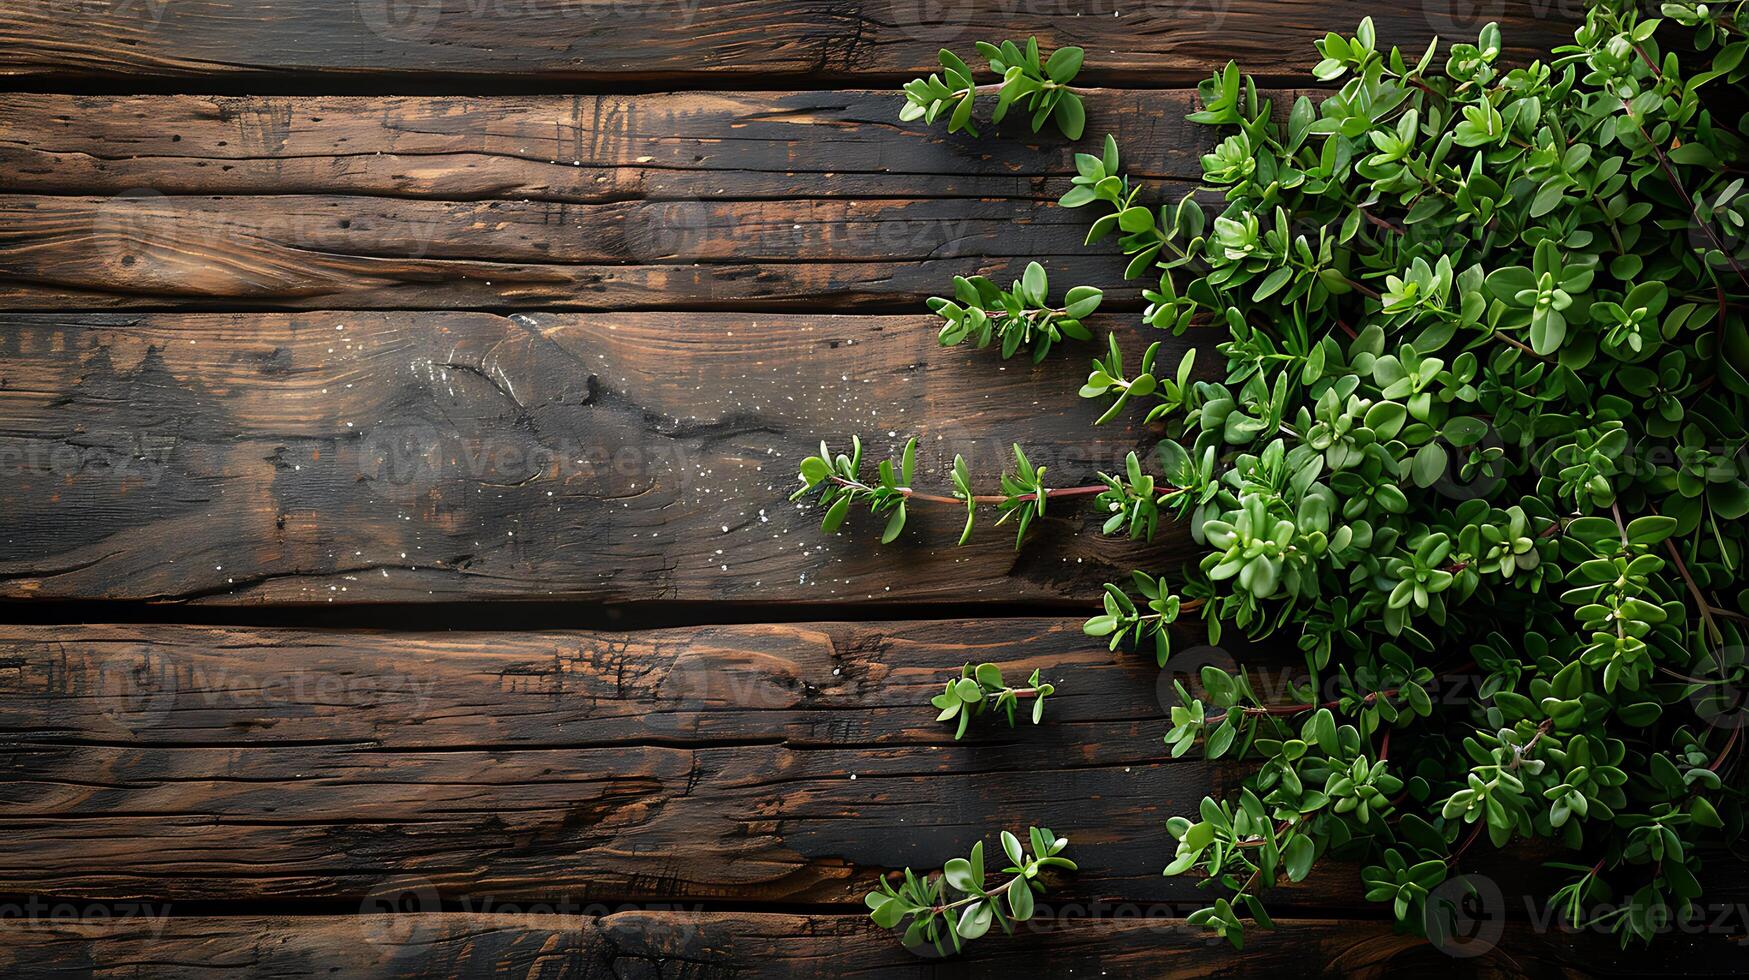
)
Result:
{"points": [[1023, 494], [1449, 291], [1039, 85], [839, 483], [981, 688], [981, 311], [959, 904], [1109, 378], [1481, 428]]}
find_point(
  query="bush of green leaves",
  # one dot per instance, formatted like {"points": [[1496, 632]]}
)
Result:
{"points": [[981, 688], [934, 918], [1481, 412]]}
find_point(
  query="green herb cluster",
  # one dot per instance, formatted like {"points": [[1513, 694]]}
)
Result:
{"points": [[1481, 412], [1040, 85], [981, 688], [934, 918], [981, 311], [838, 481]]}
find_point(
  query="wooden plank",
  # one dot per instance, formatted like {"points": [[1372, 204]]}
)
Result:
{"points": [[812, 201], [574, 148], [663, 943], [247, 42], [749, 763], [377, 457], [328, 252]]}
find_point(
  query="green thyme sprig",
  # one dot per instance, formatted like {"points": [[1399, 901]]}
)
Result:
{"points": [[958, 905], [1166, 395], [1445, 307], [981, 311], [981, 688], [1041, 87], [1479, 449], [839, 482]]}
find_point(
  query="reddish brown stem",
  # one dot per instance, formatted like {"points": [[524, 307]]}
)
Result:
{"points": [[982, 498], [1280, 828], [1541, 730], [1512, 341], [1362, 288], [970, 899], [1296, 709], [1700, 600], [1730, 744], [1682, 192], [1477, 832], [1381, 222], [1050, 494]]}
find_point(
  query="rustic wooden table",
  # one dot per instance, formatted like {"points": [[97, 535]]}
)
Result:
{"points": [[398, 404]]}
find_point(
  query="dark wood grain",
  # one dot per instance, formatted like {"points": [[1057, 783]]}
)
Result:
{"points": [[739, 764], [707, 945], [649, 41], [338, 252], [504, 793], [747, 763], [376, 457], [582, 149], [809, 201]]}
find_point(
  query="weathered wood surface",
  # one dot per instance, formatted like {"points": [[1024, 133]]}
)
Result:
{"points": [[697, 944], [811, 201], [346, 455], [782, 146], [338, 252], [243, 42], [366, 457], [751, 763]]}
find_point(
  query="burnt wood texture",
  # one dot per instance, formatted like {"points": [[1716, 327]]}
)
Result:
{"points": [[753, 763], [357, 457], [479, 306], [808, 201], [712, 945], [787, 43]]}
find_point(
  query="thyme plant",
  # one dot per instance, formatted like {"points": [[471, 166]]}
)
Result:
{"points": [[1039, 85], [981, 311], [982, 688], [935, 918], [1480, 411]]}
